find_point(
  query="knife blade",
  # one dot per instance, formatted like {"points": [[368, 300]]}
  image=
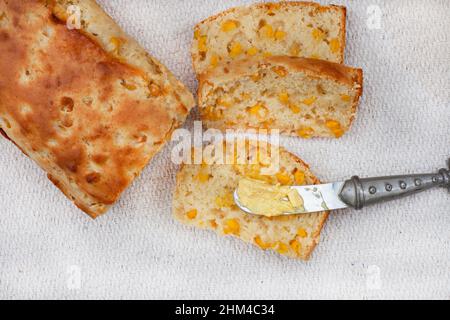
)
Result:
{"points": [[317, 198]]}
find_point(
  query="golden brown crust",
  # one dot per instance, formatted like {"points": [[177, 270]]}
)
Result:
{"points": [[84, 112], [241, 68]]}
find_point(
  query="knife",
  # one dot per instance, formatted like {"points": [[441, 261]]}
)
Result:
{"points": [[358, 193]]}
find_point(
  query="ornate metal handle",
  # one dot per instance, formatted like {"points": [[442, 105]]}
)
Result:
{"points": [[359, 193]]}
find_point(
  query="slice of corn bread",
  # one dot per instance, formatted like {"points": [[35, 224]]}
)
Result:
{"points": [[299, 96], [302, 29], [204, 198]]}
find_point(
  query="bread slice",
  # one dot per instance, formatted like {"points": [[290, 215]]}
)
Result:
{"points": [[89, 105], [298, 96], [303, 29], [204, 198]]}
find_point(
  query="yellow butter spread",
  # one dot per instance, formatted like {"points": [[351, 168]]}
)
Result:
{"points": [[269, 200]]}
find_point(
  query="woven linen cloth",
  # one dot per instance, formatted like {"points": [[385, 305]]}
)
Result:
{"points": [[399, 250]]}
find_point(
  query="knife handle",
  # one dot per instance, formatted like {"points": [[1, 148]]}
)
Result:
{"points": [[359, 193]]}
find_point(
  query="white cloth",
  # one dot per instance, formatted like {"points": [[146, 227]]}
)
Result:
{"points": [[49, 249]]}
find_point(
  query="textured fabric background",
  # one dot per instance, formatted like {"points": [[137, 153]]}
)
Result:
{"points": [[49, 249]]}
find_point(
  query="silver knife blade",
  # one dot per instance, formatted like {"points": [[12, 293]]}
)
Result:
{"points": [[317, 198]]}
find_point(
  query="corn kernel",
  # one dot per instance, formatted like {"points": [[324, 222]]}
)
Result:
{"points": [[318, 34], [281, 71], [116, 42], [315, 56], [192, 214], [306, 132], [283, 97], [294, 108], [258, 110], [226, 201], [335, 46], [345, 97], [252, 51], [229, 25], [283, 178], [235, 50], [282, 248], [280, 35], [267, 31], [267, 54], [203, 177], [299, 177], [214, 61], [197, 34], [335, 127], [202, 44], [333, 124], [309, 101], [296, 246], [302, 233], [295, 49], [261, 243], [232, 226]]}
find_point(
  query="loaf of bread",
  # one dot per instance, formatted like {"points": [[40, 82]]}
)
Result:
{"points": [[204, 198], [299, 96], [301, 29], [88, 105]]}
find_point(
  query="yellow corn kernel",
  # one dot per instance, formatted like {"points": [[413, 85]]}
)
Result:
{"points": [[235, 50], [335, 127], [267, 31], [226, 201], [302, 233], [294, 108], [192, 214], [267, 54], [309, 101], [232, 226], [299, 177], [333, 124], [252, 51], [306, 132], [214, 61], [295, 49], [203, 177], [282, 248], [116, 43], [315, 56], [256, 77], [283, 178], [283, 97], [296, 246], [261, 243], [258, 110], [335, 45], [202, 44], [197, 34], [229, 25], [318, 34], [281, 71], [280, 35], [345, 97]]}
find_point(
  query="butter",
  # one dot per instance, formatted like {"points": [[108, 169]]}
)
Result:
{"points": [[269, 200]]}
